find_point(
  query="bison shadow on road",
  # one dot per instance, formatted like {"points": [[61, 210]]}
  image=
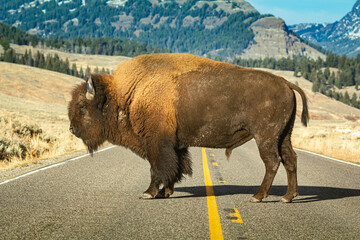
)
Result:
{"points": [[306, 193]]}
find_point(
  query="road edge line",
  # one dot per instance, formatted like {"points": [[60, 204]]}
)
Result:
{"points": [[213, 213], [326, 157], [54, 165]]}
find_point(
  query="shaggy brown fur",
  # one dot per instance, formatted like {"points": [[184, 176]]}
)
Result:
{"points": [[159, 105]]}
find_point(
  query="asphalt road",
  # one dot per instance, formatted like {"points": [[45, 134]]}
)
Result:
{"points": [[97, 198]]}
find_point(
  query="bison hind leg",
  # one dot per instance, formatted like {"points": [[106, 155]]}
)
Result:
{"points": [[290, 163], [270, 155]]}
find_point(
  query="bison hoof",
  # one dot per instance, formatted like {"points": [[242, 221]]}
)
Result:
{"points": [[145, 196], [284, 200], [161, 196], [164, 193], [287, 198], [255, 200]]}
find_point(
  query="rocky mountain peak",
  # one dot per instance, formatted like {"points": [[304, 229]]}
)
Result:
{"points": [[342, 37], [273, 39], [270, 22], [348, 26]]}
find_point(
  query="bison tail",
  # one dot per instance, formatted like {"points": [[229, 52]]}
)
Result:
{"points": [[305, 112]]}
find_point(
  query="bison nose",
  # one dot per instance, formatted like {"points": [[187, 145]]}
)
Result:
{"points": [[75, 131]]}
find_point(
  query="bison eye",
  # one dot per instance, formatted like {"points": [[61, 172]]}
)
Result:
{"points": [[83, 110]]}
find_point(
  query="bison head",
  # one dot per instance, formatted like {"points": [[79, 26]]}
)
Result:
{"points": [[85, 112]]}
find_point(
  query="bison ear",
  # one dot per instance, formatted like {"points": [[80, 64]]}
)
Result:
{"points": [[90, 94]]}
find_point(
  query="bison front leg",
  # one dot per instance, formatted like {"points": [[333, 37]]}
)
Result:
{"points": [[164, 169], [153, 188], [165, 192], [184, 167]]}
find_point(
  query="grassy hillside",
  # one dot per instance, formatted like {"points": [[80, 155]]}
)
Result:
{"points": [[33, 115]]}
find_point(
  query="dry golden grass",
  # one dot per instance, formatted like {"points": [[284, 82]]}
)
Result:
{"points": [[350, 90], [24, 141], [33, 115], [341, 141], [31, 83]]}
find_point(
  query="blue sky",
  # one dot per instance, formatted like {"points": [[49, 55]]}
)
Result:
{"points": [[305, 11]]}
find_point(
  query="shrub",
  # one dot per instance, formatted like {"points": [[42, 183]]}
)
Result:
{"points": [[22, 140]]}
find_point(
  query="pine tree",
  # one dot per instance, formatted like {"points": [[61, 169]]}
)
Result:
{"points": [[37, 59], [347, 77], [330, 93], [5, 44], [81, 74], [338, 83], [10, 56], [57, 66], [87, 71], [357, 81], [354, 100], [327, 73], [74, 71], [322, 88], [42, 61], [347, 98], [296, 72], [332, 60], [67, 67], [332, 79], [313, 76], [30, 60], [316, 86], [48, 62], [341, 97]]}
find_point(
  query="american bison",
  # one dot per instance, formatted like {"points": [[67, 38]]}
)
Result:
{"points": [[159, 105]]}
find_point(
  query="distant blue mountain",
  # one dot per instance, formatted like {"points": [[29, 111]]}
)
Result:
{"points": [[342, 37]]}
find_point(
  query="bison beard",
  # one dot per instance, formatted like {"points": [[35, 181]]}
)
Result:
{"points": [[92, 147], [159, 105]]}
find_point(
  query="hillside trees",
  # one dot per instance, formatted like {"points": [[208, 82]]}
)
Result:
{"points": [[5, 44], [49, 62], [72, 19], [234, 33], [15, 35], [101, 45]]}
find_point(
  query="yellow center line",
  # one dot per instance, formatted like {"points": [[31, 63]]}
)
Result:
{"points": [[214, 218], [236, 216]]}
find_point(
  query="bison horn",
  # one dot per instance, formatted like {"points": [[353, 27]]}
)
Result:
{"points": [[90, 94]]}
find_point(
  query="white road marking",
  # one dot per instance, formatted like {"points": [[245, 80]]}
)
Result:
{"points": [[54, 165], [105, 149], [330, 158]]}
